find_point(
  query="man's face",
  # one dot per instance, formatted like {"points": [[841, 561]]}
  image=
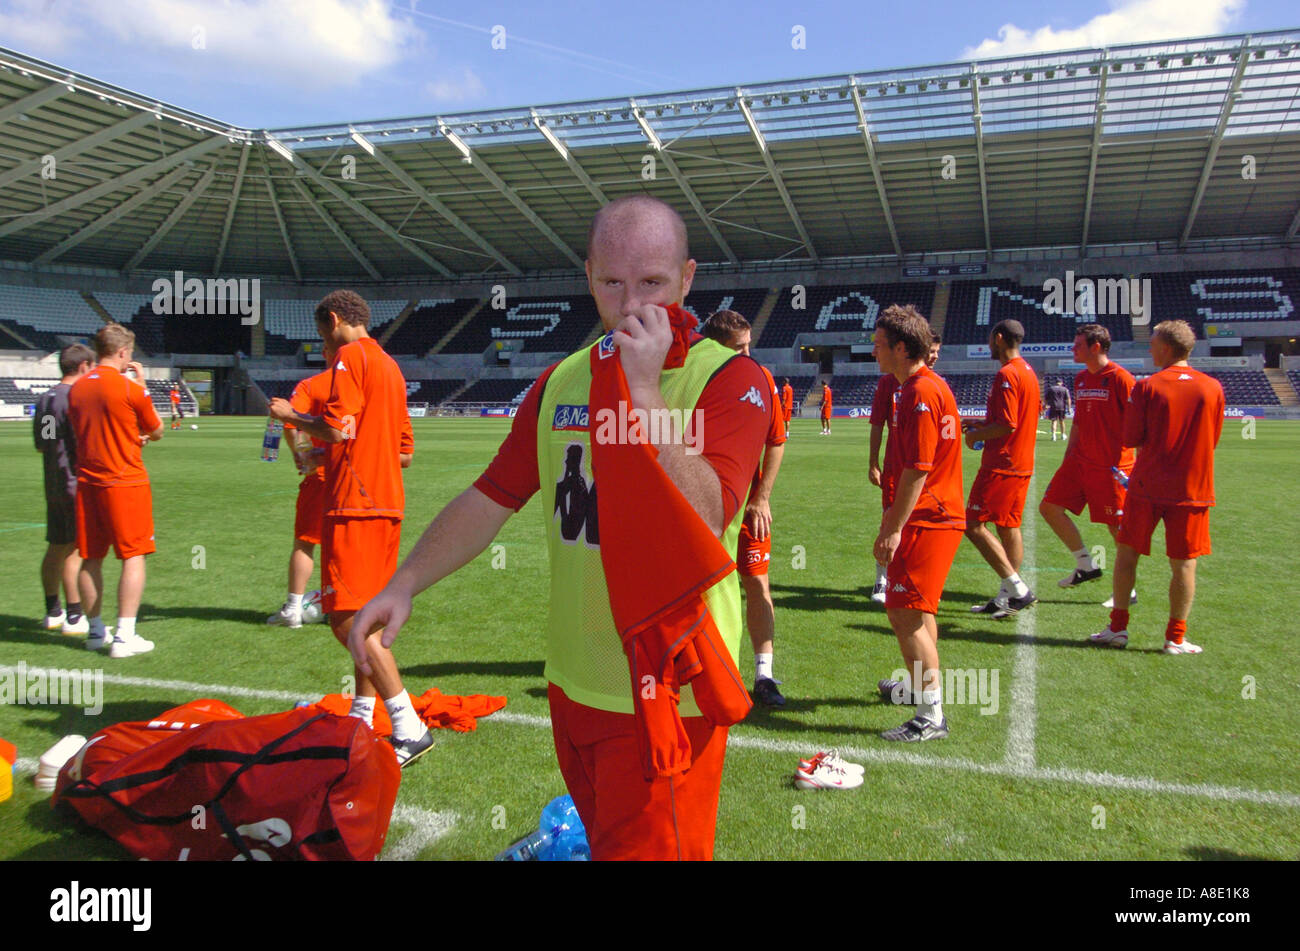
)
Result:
{"points": [[1160, 352], [880, 350], [933, 356], [624, 275], [995, 346], [1080, 352], [740, 342]]}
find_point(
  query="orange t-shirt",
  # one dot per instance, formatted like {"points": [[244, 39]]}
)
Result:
{"points": [[775, 432], [787, 400], [927, 431], [108, 414], [309, 398], [367, 402], [1174, 418], [1099, 403], [826, 400], [1014, 401], [174, 396]]}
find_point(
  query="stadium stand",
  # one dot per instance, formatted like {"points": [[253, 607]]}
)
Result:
{"points": [[1294, 377], [545, 324], [41, 315], [744, 301], [495, 391], [1221, 296], [975, 306], [839, 308], [801, 385], [432, 392], [852, 390], [431, 320], [1246, 387]]}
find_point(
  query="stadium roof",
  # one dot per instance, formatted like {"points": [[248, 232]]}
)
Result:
{"points": [[1182, 142]]}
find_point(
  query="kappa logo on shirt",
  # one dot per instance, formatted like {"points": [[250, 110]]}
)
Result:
{"points": [[899, 589], [755, 397], [339, 366], [1184, 376], [922, 408], [1006, 385]]}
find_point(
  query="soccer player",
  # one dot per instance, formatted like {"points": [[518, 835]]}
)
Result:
{"points": [[1058, 405], [1094, 448], [882, 412], [921, 531], [177, 414], [56, 442], [998, 494], [112, 419], [1174, 419], [826, 409], [787, 403], [362, 421], [637, 265], [755, 552]]}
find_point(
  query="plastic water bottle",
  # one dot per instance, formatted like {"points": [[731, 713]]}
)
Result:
{"points": [[977, 446], [560, 837], [1120, 477], [271, 441]]}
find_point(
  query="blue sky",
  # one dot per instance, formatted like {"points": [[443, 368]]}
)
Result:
{"points": [[272, 63]]}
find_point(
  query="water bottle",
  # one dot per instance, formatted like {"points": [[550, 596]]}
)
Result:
{"points": [[271, 441], [560, 837], [1120, 477], [527, 849], [977, 446]]}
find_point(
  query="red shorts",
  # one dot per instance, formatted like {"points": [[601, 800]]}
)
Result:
{"points": [[752, 556], [916, 574], [825, 415], [1187, 529], [358, 556], [117, 515], [627, 818], [309, 511], [999, 499], [1076, 484]]}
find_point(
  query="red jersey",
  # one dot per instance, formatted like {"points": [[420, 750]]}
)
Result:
{"points": [[787, 400], [1099, 403], [882, 414], [826, 400], [1014, 400], [1174, 418], [927, 430], [511, 478], [174, 396], [367, 403], [775, 432], [310, 397], [108, 414]]}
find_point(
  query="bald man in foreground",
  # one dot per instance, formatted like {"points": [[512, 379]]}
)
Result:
{"points": [[638, 266]]}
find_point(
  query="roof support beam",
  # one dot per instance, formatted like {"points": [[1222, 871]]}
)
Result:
{"points": [[978, 118], [118, 212], [176, 215], [1098, 123], [32, 101], [470, 157], [452, 218], [77, 147], [680, 179], [336, 229], [279, 219], [230, 210], [1295, 226], [366, 214], [116, 183], [540, 124], [875, 167], [775, 172], [1229, 100]]}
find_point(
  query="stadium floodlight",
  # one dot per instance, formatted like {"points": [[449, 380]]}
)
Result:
{"points": [[466, 155], [362, 141], [280, 149]]}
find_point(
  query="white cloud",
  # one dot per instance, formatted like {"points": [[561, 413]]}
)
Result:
{"points": [[1129, 21], [311, 44], [31, 27], [468, 86]]}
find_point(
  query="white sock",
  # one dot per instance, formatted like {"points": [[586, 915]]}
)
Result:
{"points": [[125, 628], [406, 725], [931, 705], [1084, 560], [880, 573], [294, 601], [363, 708], [763, 667], [1012, 584], [97, 627]]}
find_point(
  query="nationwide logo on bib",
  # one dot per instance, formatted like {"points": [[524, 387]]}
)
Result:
{"points": [[570, 418]]}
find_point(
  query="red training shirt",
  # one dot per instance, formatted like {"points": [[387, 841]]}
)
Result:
{"points": [[1174, 418], [1099, 403], [1014, 400], [927, 429], [109, 413], [310, 397]]}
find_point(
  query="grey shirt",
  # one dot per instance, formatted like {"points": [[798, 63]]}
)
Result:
{"points": [[54, 438]]}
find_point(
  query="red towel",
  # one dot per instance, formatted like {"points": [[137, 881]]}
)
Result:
{"points": [[659, 559], [435, 708]]}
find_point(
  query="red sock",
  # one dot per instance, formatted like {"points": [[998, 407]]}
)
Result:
{"points": [[1175, 630], [1118, 619]]}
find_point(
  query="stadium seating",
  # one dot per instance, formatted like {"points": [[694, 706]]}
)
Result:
{"points": [[745, 301], [974, 307], [1223, 296], [496, 391], [427, 324], [839, 308], [432, 392], [22, 392], [1294, 377], [801, 385], [556, 323], [1246, 387], [853, 390]]}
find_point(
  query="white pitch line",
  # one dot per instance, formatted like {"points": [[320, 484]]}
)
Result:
{"points": [[873, 755], [1022, 714], [425, 827]]}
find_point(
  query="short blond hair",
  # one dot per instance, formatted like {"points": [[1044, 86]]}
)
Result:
{"points": [[112, 338], [1178, 334]]}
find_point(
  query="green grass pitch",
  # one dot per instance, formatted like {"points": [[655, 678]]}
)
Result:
{"points": [[1091, 753]]}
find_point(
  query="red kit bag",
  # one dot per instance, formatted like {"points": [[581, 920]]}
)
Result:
{"points": [[213, 785]]}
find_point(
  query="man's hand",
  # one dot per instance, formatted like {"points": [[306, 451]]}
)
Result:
{"points": [[138, 369], [310, 459], [280, 408], [885, 546], [643, 338], [389, 609], [971, 439], [758, 518], [874, 475]]}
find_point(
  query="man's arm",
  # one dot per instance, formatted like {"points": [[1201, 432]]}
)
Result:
{"points": [[910, 484], [459, 533], [873, 447], [758, 511], [987, 431], [311, 425]]}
